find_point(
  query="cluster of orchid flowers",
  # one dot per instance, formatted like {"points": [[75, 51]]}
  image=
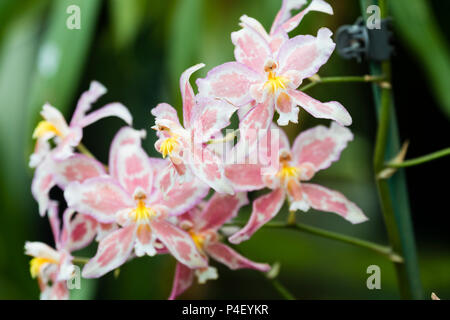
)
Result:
{"points": [[138, 205]]}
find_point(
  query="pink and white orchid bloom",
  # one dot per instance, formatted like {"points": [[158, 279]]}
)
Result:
{"points": [[53, 267], [129, 196], [67, 137], [266, 77], [203, 223], [186, 145], [313, 150]]}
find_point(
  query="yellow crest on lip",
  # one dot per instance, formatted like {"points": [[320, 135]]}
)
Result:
{"points": [[288, 172], [198, 239], [43, 127], [168, 146], [276, 82], [142, 212], [36, 265]]}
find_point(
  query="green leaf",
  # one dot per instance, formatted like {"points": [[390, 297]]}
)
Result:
{"points": [[418, 28]]}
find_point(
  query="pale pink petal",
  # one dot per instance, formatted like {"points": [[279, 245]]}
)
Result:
{"points": [[290, 24], [285, 13], [57, 291], [110, 110], [55, 117], [298, 200], [65, 145], [100, 198], [43, 181], [55, 223], [306, 54], [133, 169], [125, 136], [79, 231], [231, 80], [215, 115], [179, 243], [209, 168], [320, 146], [264, 209], [165, 111], [245, 177], [188, 96], [41, 150], [251, 49], [329, 110], [96, 90], [183, 196], [182, 281], [255, 24], [323, 199], [77, 168], [232, 259], [112, 252], [220, 209]]}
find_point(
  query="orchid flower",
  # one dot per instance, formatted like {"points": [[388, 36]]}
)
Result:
{"points": [[53, 267], [66, 137], [185, 145], [203, 223], [267, 77], [129, 196], [313, 150]]}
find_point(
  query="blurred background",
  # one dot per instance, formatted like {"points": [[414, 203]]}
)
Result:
{"points": [[138, 49]]}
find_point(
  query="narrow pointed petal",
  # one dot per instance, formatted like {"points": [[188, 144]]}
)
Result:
{"points": [[110, 110], [231, 80], [112, 252], [220, 209], [100, 198], [329, 110], [306, 54], [43, 181], [182, 281], [96, 90], [55, 223], [188, 96], [323, 199], [233, 260], [179, 243], [251, 49], [320, 146], [165, 111], [264, 209]]}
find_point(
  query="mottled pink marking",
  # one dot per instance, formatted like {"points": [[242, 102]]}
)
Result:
{"points": [[230, 85], [104, 199], [80, 172], [301, 58], [79, 231], [133, 164], [317, 152]]}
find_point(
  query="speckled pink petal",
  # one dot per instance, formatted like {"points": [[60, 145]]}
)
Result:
{"points": [[100, 198], [251, 49], [182, 281], [188, 96], [306, 54], [78, 231], [323, 199], [179, 243], [219, 209], [245, 177], [231, 80], [329, 110], [264, 209], [114, 109], [43, 181], [233, 260], [286, 108], [77, 168], [112, 252], [320, 146], [96, 90]]}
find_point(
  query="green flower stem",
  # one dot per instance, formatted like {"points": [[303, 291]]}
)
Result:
{"points": [[380, 249], [366, 78], [82, 148], [281, 289], [393, 194], [80, 260], [420, 160]]}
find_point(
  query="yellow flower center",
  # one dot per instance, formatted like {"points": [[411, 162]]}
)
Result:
{"points": [[168, 146], [36, 265], [44, 127], [142, 212], [275, 83], [198, 239], [288, 172]]}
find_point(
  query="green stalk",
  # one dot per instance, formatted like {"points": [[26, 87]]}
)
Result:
{"points": [[366, 78], [393, 194], [420, 160]]}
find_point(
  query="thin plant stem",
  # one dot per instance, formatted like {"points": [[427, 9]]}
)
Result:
{"points": [[80, 260], [420, 160], [380, 249], [281, 289], [82, 148], [365, 78]]}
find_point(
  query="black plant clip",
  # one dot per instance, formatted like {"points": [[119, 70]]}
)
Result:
{"points": [[359, 42]]}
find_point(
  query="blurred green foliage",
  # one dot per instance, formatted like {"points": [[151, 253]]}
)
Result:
{"points": [[138, 50]]}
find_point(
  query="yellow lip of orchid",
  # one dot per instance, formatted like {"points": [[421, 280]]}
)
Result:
{"points": [[44, 127], [198, 239], [36, 265], [142, 212], [288, 172], [168, 146], [276, 83]]}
